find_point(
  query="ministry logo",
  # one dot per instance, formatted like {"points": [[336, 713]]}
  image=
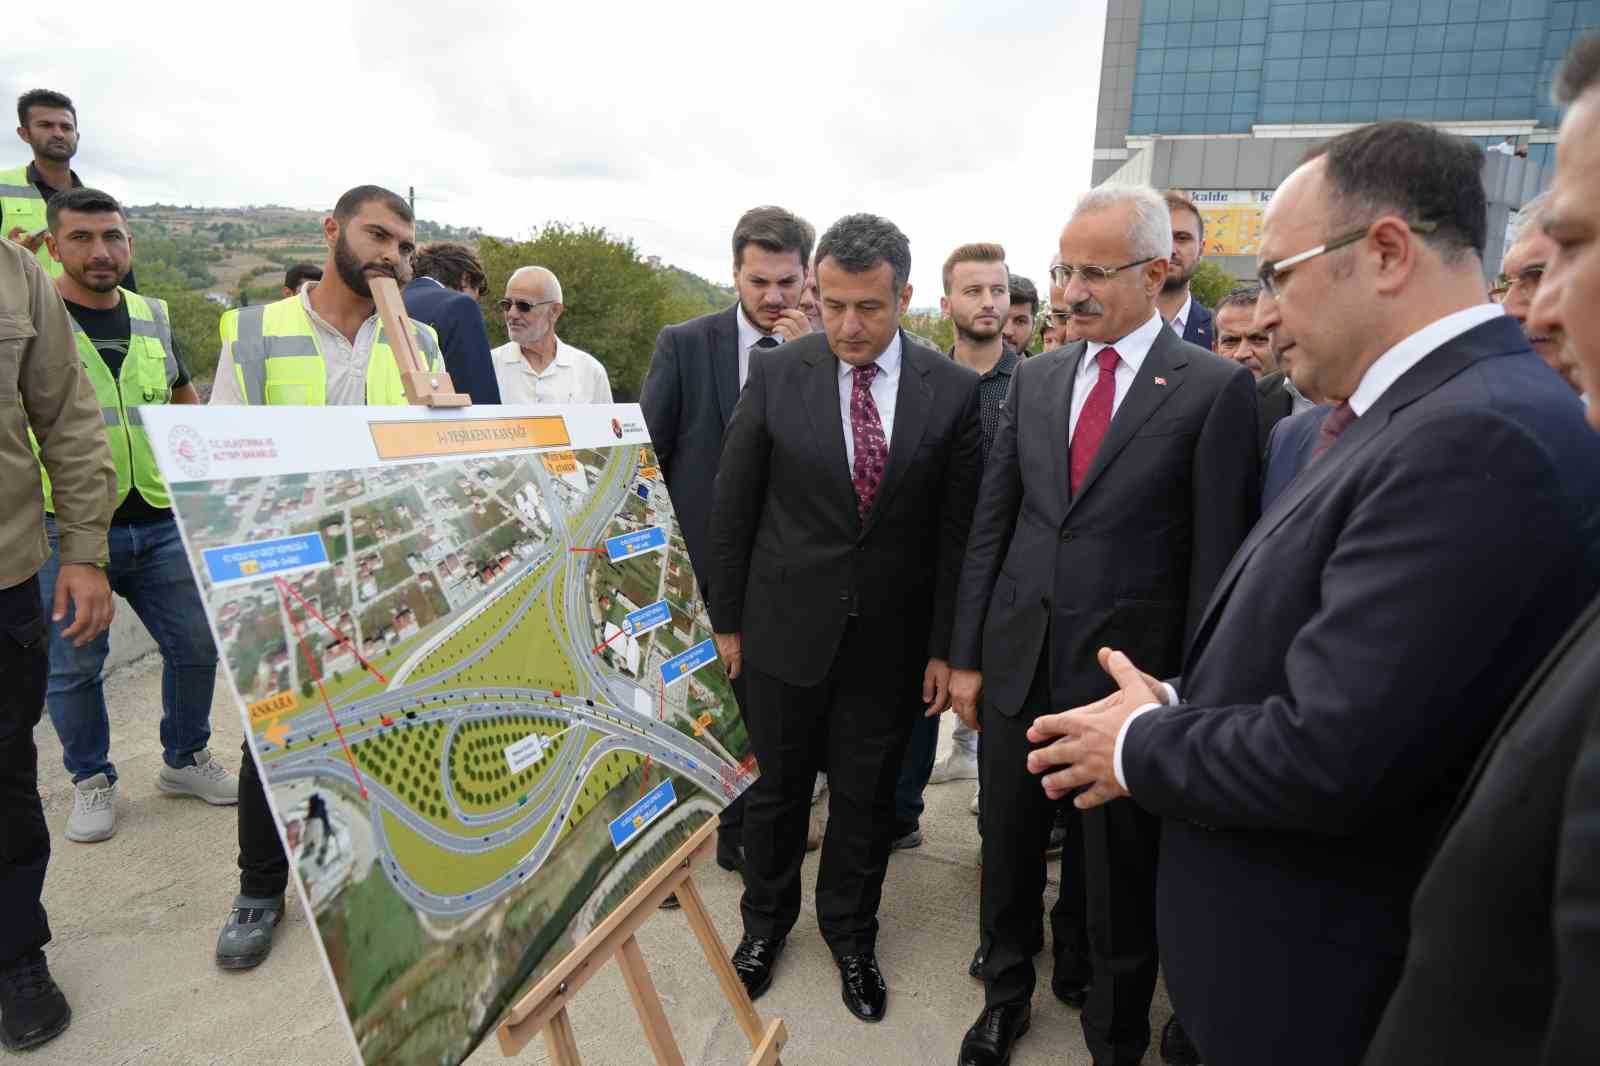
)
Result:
{"points": [[188, 450]]}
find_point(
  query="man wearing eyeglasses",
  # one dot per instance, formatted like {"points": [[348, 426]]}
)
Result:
{"points": [[535, 365], [1123, 475], [1371, 629], [1520, 273]]}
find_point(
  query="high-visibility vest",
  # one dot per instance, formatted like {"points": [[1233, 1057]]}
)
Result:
{"points": [[21, 205], [276, 358], [146, 377]]}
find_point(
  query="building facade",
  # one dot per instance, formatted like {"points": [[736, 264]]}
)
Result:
{"points": [[1222, 98]]}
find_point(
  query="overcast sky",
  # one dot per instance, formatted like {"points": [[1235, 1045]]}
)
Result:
{"points": [[660, 121]]}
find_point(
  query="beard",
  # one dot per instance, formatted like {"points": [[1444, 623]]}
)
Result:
{"points": [[59, 152], [1177, 281], [353, 272], [99, 286], [968, 331], [531, 333]]}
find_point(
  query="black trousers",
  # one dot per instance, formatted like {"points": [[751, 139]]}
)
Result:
{"points": [[732, 822], [855, 726], [1103, 927], [24, 838], [263, 866]]}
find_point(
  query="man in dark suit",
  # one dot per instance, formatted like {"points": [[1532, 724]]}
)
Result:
{"points": [[1190, 318], [1124, 473], [695, 376], [843, 503], [1504, 959], [1289, 451], [1373, 626], [445, 292]]}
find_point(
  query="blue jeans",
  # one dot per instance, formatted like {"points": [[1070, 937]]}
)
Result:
{"points": [[149, 569]]}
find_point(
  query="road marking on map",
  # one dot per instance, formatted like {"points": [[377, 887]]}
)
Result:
{"points": [[362, 659], [311, 665]]}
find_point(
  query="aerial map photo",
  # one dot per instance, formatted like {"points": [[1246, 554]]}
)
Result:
{"points": [[477, 676]]}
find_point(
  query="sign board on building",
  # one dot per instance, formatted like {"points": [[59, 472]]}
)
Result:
{"points": [[1232, 218]]}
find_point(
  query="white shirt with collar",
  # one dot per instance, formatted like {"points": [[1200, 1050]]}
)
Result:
{"points": [[573, 376], [1180, 321], [885, 389], [1131, 353], [749, 337], [1384, 372]]}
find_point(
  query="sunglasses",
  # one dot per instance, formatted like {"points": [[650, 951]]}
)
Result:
{"points": [[522, 306]]}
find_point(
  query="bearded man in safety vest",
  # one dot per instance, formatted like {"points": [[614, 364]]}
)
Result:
{"points": [[323, 345], [125, 343]]}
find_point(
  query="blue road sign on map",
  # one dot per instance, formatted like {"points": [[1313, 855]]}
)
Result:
{"points": [[638, 623], [630, 544], [683, 664], [235, 563], [643, 491], [633, 821]]}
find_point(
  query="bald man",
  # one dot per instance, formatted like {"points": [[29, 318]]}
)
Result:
{"points": [[536, 366]]}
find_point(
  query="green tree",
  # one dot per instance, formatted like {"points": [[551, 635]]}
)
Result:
{"points": [[616, 303], [194, 318], [1211, 283], [932, 327]]}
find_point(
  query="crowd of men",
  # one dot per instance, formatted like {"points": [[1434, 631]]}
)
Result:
{"points": [[1278, 621]]}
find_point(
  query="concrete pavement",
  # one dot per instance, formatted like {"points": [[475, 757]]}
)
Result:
{"points": [[136, 918]]}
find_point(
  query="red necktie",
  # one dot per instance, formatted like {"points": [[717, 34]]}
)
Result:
{"points": [[1094, 419], [866, 433], [1337, 422]]}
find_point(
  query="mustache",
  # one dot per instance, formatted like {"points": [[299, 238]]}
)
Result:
{"points": [[1087, 306]]}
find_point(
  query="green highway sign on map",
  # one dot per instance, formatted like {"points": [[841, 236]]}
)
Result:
{"points": [[487, 665]]}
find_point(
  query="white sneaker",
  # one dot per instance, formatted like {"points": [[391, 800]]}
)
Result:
{"points": [[957, 766], [973, 806], [94, 810], [207, 779]]}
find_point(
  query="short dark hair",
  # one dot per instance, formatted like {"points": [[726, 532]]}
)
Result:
{"points": [[1579, 72], [84, 200], [1023, 291], [452, 265], [774, 229], [1175, 199], [300, 273], [860, 242], [1244, 295], [361, 195], [1414, 171], [983, 252], [43, 98]]}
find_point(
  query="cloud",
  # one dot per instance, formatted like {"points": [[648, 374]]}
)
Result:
{"points": [[660, 122]]}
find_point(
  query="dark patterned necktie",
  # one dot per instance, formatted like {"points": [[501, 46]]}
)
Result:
{"points": [[1094, 420], [866, 433], [1337, 422], [766, 342]]}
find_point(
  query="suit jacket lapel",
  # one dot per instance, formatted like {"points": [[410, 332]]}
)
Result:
{"points": [[913, 402], [725, 360], [1165, 361], [821, 396], [1056, 395]]}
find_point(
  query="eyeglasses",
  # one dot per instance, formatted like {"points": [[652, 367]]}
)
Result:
{"points": [[1271, 274], [1527, 281], [1093, 276], [521, 305]]}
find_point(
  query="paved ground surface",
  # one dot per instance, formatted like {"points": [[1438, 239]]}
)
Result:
{"points": [[136, 918]]}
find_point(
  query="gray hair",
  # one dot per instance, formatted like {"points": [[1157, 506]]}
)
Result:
{"points": [[860, 242], [543, 277], [1151, 233], [1529, 215]]}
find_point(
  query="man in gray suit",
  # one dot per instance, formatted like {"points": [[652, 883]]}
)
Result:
{"points": [[1124, 473]]}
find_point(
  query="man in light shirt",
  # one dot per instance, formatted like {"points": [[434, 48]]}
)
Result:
{"points": [[535, 365]]}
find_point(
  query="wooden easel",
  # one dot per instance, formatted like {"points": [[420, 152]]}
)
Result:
{"points": [[423, 386], [545, 1006]]}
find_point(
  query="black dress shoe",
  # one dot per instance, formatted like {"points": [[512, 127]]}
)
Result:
{"points": [[730, 855], [753, 960], [1072, 994], [989, 1041], [975, 967], [862, 987], [1176, 1047]]}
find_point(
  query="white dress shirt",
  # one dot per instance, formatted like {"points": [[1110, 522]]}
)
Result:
{"points": [[885, 389], [1131, 352], [346, 361], [1180, 321], [1384, 372], [573, 376], [749, 336]]}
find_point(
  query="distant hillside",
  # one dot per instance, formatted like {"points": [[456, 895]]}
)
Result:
{"points": [[694, 290]]}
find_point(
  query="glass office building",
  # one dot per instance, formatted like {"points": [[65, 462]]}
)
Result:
{"points": [[1178, 72]]}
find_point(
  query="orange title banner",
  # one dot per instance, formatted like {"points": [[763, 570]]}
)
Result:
{"points": [[416, 440]]}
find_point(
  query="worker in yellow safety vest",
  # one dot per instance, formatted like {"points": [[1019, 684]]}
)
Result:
{"points": [[323, 345], [125, 343]]}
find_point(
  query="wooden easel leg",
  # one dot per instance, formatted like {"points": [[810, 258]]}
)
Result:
{"points": [[561, 1040], [765, 1041], [657, 1032]]}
